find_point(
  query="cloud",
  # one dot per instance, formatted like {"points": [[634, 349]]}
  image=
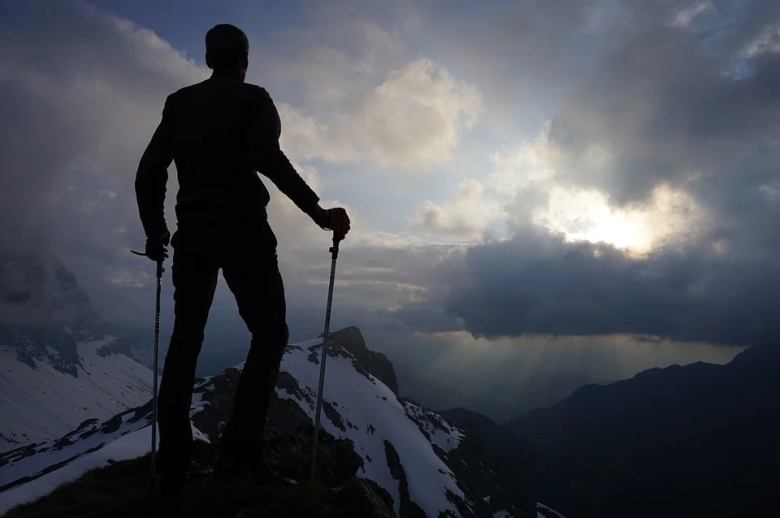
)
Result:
{"points": [[656, 133], [411, 121], [465, 215], [537, 284], [518, 183], [687, 15], [662, 111], [668, 217], [414, 119], [766, 42]]}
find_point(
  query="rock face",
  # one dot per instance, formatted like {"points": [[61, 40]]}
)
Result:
{"points": [[43, 313], [41, 292], [490, 485]]}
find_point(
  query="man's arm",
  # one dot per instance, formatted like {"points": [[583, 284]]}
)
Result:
{"points": [[266, 156], [152, 177]]}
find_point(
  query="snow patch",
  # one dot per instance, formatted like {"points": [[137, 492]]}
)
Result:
{"points": [[549, 513], [87, 449], [127, 446]]}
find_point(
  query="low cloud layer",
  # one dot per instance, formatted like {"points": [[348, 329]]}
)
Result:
{"points": [[537, 284]]}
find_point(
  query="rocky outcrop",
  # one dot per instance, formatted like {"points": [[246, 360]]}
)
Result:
{"points": [[36, 290], [408, 508]]}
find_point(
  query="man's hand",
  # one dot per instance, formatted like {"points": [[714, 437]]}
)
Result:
{"points": [[156, 248], [335, 219], [339, 223]]}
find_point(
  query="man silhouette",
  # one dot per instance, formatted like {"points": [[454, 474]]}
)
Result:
{"points": [[220, 133]]}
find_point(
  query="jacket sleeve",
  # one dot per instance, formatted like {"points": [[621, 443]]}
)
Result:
{"points": [[266, 156], [152, 176]]}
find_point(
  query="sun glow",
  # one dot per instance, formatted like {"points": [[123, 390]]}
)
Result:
{"points": [[586, 215]]}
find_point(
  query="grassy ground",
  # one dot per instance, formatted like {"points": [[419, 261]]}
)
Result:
{"points": [[123, 490]]}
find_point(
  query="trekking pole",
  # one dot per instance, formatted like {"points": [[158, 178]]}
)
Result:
{"points": [[334, 250], [154, 372]]}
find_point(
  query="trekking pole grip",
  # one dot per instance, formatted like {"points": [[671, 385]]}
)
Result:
{"points": [[334, 250]]}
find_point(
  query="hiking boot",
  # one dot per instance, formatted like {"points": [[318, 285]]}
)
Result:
{"points": [[196, 470], [259, 472], [264, 474]]}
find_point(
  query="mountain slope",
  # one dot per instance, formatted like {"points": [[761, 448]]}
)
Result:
{"points": [[526, 463], [698, 439], [425, 465], [42, 402]]}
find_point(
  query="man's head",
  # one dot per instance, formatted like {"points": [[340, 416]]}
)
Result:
{"points": [[227, 49]]}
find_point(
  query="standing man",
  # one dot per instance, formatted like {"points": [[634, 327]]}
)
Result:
{"points": [[220, 133]]}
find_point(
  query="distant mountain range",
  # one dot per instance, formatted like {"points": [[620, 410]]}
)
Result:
{"points": [[536, 391], [694, 440]]}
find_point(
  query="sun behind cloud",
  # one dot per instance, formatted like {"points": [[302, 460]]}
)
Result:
{"points": [[585, 215]]}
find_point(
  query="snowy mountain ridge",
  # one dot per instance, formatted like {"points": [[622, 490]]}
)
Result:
{"points": [[428, 466], [59, 363]]}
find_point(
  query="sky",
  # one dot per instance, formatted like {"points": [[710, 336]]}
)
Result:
{"points": [[564, 185]]}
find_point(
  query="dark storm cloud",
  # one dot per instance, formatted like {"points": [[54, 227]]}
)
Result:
{"points": [[535, 284], [80, 94], [519, 52], [666, 112], [668, 107]]}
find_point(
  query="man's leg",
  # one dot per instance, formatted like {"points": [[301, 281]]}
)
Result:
{"points": [[252, 274], [195, 274]]}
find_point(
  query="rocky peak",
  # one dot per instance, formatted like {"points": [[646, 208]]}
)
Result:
{"points": [[44, 312], [376, 364], [42, 292]]}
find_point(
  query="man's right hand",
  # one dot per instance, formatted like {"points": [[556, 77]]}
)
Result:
{"points": [[335, 219], [339, 223], [156, 248]]}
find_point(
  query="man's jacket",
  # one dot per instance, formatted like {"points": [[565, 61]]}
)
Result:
{"points": [[218, 133]]}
